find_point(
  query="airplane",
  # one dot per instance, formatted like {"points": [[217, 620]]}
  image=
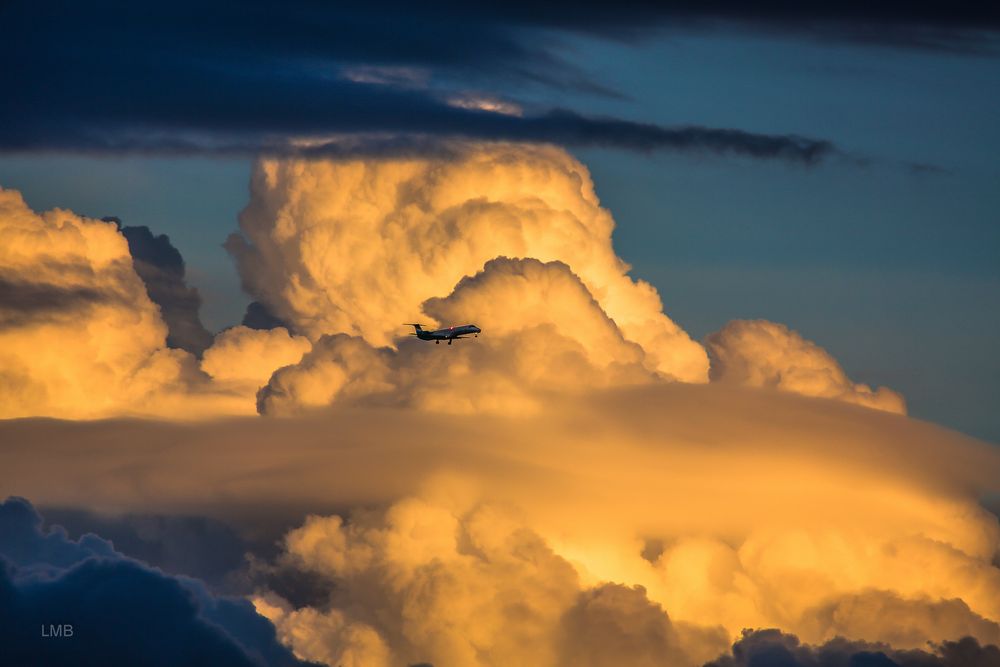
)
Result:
{"points": [[449, 334]]}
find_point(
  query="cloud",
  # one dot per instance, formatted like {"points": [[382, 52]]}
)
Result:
{"points": [[342, 249], [510, 237], [273, 73], [876, 614], [434, 535], [79, 335], [448, 577], [246, 358], [433, 580], [190, 545], [548, 492], [614, 624], [337, 367], [758, 353], [486, 103], [121, 611], [546, 335], [773, 647], [257, 316], [321, 71], [161, 268], [357, 247]]}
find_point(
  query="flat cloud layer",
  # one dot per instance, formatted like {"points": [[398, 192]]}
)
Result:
{"points": [[281, 70]]}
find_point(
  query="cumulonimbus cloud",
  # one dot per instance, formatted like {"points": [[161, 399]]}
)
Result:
{"points": [[576, 486], [354, 247], [508, 236], [357, 247]]}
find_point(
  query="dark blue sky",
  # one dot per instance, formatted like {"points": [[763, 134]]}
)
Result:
{"points": [[887, 252]]}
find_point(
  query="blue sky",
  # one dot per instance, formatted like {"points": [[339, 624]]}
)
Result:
{"points": [[894, 269]]}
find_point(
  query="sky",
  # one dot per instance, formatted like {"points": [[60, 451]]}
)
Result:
{"points": [[734, 399]]}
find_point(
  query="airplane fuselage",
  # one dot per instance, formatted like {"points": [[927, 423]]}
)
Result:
{"points": [[449, 334]]}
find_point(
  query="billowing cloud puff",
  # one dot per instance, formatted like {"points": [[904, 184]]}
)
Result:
{"points": [[545, 333], [614, 624], [194, 546], [119, 611], [450, 583], [79, 337], [876, 614], [327, 637], [446, 578], [357, 247], [511, 297], [759, 353], [336, 368], [247, 357]]}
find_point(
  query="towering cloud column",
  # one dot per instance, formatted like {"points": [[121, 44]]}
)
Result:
{"points": [[358, 246]]}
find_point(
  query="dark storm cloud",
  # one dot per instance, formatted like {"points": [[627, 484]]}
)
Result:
{"points": [[160, 266], [121, 611], [777, 649], [964, 26], [222, 112], [182, 77], [259, 316], [195, 546]]}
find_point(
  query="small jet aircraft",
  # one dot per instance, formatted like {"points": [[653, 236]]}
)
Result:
{"points": [[449, 334]]}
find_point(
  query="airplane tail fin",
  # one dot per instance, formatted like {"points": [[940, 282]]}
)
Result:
{"points": [[416, 327]]}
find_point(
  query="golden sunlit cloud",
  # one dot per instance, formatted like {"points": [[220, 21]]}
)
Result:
{"points": [[353, 248], [358, 246], [546, 334], [446, 537], [246, 357], [759, 353], [79, 337], [486, 103]]}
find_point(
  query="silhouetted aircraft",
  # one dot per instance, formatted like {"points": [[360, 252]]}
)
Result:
{"points": [[449, 334]]}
